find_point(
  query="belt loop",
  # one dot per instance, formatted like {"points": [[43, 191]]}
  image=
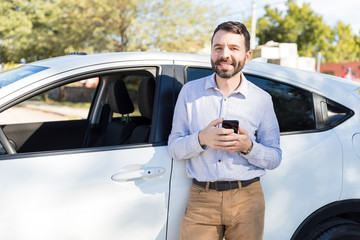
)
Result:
{"points": [[240, 185], [207, 186]]}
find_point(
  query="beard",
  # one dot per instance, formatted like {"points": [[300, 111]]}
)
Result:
{"points": [[224, 73]]}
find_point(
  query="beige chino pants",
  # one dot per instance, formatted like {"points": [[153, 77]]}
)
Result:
{"points": [[236, 214]]}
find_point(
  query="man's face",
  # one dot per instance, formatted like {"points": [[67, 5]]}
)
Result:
{"points": [[228, 54]]}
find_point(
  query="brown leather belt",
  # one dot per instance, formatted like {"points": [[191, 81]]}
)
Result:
{"points": [[225, 185]]}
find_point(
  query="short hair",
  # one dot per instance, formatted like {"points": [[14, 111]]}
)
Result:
{"points": [[234, 27]]}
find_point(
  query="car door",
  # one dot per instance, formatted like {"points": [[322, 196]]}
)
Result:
{"points": [[311, 153], [95, 192]]}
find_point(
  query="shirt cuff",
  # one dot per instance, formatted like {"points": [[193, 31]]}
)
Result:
{"points": [[199, 148], [254, 153]]}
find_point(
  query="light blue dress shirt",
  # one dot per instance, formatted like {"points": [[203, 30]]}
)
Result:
{"points": [[200, 102]]}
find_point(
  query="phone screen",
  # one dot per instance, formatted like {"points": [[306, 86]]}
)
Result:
{"points": [[231, 124]]}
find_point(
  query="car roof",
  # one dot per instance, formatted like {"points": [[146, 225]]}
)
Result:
{"points": [[118, 57], [321, 83], [69, 62], [317, 81]]}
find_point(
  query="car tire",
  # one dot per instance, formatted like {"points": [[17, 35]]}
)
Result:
{"points": [[336, 229], [346, 231]]}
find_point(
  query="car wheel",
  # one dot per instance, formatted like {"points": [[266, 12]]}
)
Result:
{"points": [[346, 231], [9, 148], [336, 229]]}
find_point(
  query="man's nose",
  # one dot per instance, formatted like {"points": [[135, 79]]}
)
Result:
{"points": [[226, 52]]}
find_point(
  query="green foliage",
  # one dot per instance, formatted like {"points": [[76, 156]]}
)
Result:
{"points": [[58, 27], [347, 48], [301, 25], [96, 25], [14, 26], [38, 29], [167, 25]]}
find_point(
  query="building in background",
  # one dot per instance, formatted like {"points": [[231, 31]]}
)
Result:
{"points": [[338, 69], [284, 54]]}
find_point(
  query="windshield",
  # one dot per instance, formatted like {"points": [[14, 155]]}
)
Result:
{"points": [[11, 76]]}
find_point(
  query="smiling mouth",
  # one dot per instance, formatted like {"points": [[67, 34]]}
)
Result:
{"points": [[224, 65]]}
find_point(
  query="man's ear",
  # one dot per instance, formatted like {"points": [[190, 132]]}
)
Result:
{"points": [[247, 56]]}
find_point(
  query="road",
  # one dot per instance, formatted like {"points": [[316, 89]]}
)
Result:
{"points": [[40, 113]]}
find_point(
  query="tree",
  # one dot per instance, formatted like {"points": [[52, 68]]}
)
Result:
{"points": [[346, 46], [299, 25], [14, 26], [167, 25], [96, 25], [38, 29], [29, 29]]}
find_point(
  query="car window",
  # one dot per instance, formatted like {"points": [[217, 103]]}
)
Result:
{"points": [[11, 76], [104, 110], [293, 106], [126, 112], [337, 113], [68, 102], [193, 73], [52, 120]]}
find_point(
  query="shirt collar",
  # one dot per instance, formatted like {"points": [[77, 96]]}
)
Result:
{"points": [[242, 89], [210, 82]]}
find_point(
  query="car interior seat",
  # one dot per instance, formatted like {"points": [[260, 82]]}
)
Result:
{"points": [[146, 93], [115, 132]]}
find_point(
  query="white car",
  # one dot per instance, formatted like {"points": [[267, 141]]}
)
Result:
{"points": [[102, 170]]}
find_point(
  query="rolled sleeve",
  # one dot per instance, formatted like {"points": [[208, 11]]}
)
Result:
{"points": [[185, 147], [266, 152], [182, 143], [264, 157]]}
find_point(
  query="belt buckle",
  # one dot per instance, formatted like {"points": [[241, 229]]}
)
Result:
{"points": [[223, 186]]}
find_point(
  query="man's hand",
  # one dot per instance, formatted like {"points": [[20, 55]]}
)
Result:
{"points": [[241, 142], [224, 139]]}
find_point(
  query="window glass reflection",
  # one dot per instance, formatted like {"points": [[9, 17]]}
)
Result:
{"points": [[293, 106]]}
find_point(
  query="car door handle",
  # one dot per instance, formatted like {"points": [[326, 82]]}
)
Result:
{"points": [[141, 173]]}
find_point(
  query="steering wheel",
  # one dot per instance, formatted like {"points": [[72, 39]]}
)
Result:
{"points": [[9, 148]]}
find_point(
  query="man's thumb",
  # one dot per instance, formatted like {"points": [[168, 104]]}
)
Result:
{"points": [[242, 131]]}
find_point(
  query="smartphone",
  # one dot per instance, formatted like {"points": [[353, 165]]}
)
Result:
{"points": [[231, 124]]}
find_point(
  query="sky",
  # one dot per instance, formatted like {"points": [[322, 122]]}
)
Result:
{"points": [[332, 11]]}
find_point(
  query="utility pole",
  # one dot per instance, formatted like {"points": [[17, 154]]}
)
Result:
{"points": [[319, 56], [253, 24]]}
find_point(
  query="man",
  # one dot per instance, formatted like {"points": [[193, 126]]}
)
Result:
{"points": [[226, 197]]}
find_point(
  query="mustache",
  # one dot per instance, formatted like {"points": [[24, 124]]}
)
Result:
{"points": [[222, 60]]}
